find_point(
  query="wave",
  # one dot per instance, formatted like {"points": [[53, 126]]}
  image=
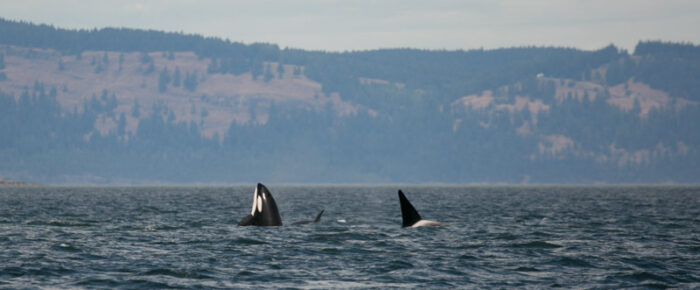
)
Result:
{"points": [[60, 223], [177, 273], [535, 245]]}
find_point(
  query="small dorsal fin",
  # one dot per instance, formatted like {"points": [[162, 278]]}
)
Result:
{"points": [[318, 217], [408, 212]]}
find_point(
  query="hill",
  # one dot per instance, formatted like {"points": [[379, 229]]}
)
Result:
{"points": [[132, 106]]}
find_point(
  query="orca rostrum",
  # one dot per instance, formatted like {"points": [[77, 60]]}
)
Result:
{"points": [[315, 221], [264, 211], [410, 215]]}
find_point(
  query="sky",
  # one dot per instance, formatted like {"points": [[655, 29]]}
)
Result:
{"points": [[373, 24]]}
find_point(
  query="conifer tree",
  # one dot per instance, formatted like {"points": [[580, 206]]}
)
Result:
{"points": [[280, 70], [190, 82], [176, 77], [163, 80]]}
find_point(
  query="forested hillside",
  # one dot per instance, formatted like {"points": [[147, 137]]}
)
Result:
{"points": [[131, 106]]}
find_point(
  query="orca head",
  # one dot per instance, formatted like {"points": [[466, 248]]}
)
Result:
{"points": [[264, 211]]}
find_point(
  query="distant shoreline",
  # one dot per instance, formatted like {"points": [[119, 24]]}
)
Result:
{"points": [[389, 185], [16, 182]]}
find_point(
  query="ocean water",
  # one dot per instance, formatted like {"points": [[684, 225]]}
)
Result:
{"points": [[500, 236]]}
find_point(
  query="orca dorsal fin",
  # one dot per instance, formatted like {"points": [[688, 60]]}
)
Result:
{"points": [[408, 212], [318, 217]]}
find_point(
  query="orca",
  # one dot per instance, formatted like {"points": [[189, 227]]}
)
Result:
{"points": [[315, 221], [264, 211], [410, 215]]}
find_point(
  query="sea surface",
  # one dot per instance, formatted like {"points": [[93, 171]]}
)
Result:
{"points": [[495, 237]]}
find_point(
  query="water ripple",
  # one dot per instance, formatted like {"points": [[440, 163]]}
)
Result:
{"points": [[497, 237]]}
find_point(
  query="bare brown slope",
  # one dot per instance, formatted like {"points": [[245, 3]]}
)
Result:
{"points": [[217, 101]]}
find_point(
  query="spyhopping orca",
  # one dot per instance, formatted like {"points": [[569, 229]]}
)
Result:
{"points": [[315, 221], [410, 215], [264, 212]]}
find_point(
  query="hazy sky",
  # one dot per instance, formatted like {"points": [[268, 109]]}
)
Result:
{"points": [[370, 24]]}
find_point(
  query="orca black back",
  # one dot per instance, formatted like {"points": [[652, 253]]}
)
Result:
{"points": [[408, 212]]}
